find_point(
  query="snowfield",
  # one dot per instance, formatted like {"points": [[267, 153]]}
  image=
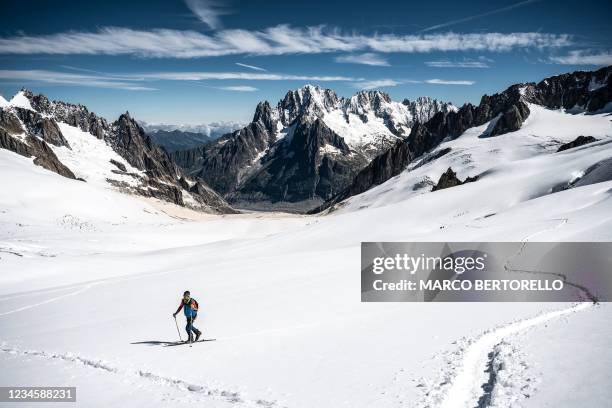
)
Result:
{"points": [[90, 279], [90, 158]]}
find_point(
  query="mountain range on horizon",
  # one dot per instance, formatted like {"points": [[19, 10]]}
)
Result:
{"points": [[309, 152]]}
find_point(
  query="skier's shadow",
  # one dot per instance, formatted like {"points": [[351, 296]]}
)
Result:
{"points": [[167, 343], [155, 343]]}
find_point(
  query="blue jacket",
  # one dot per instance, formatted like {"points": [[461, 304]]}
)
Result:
{"points": [[190, 308]]}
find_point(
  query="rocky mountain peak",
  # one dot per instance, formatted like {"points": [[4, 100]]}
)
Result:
{"points": [[266, 116], [310, 100], [364, 101]]}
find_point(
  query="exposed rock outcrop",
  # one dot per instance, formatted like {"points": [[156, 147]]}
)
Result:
{"points": [[579, 141], [32, 146], [40, 126], [449, 179]]}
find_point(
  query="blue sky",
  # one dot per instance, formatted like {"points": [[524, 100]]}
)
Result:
{"points": [[199, 61]]}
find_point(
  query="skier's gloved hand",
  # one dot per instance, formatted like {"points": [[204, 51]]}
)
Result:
{"points": [[173, 314]]}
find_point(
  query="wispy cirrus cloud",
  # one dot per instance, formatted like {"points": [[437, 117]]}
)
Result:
{"points": [[239, 88], [253, 67], [65, 78], [368, 58], [253, 76], [376, 83], [142, 81], [449, 82], [277, 40], [481, 62], [480, 15], [208, 11], [584, 57], [384, 83]]}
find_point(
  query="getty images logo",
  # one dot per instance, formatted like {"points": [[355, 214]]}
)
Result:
{"points": [[458, 262]]}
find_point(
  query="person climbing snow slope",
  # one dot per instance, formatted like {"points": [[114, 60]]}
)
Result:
{"points": [[190, 308]]}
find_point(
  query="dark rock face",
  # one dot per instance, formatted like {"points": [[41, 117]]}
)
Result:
{"points": [[160, 178], [37, 148], [449, 179], [381, 169], [582, 91], [130, 141], [588, 91], [9, 122], [511, 119], [73, 115], [45, 157], [221, 164], [299, 170], [265, 116], [190, 160], [42, 127], [119, 165], [579, 141]]}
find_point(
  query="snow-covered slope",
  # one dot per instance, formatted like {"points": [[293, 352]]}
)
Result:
{"points": [[21, 101], [91, 278], [90, 158], [513, 167], [276, 293]]}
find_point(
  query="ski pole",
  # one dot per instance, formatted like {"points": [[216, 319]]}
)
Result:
{"points": [[177, 329]]}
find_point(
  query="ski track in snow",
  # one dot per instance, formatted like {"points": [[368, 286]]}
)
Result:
{"points": [[76, 292], [562, 222], [206, 392], [465, 389]]}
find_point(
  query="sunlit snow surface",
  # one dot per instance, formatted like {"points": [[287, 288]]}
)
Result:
{"points": [[90, 158], [20, 101], [90, 277]]}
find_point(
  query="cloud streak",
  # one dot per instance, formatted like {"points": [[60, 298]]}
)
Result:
{"points": [[480, 63], [143, 81], [449, 82], [63, 78], [582, 57], [277, 40], [377, 83], [367, 58], [253, 67], [208, 11], [477, 16], [239, 88], [204, 75]]}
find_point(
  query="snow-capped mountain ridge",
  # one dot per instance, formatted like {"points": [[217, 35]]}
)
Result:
{"points": [[255, 163], [75, 143], [311, 101]]}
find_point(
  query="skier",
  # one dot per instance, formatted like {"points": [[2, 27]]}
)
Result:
{"points": [[190, 308]]}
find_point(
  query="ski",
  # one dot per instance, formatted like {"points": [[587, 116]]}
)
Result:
{"points": [[180, 343]]}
